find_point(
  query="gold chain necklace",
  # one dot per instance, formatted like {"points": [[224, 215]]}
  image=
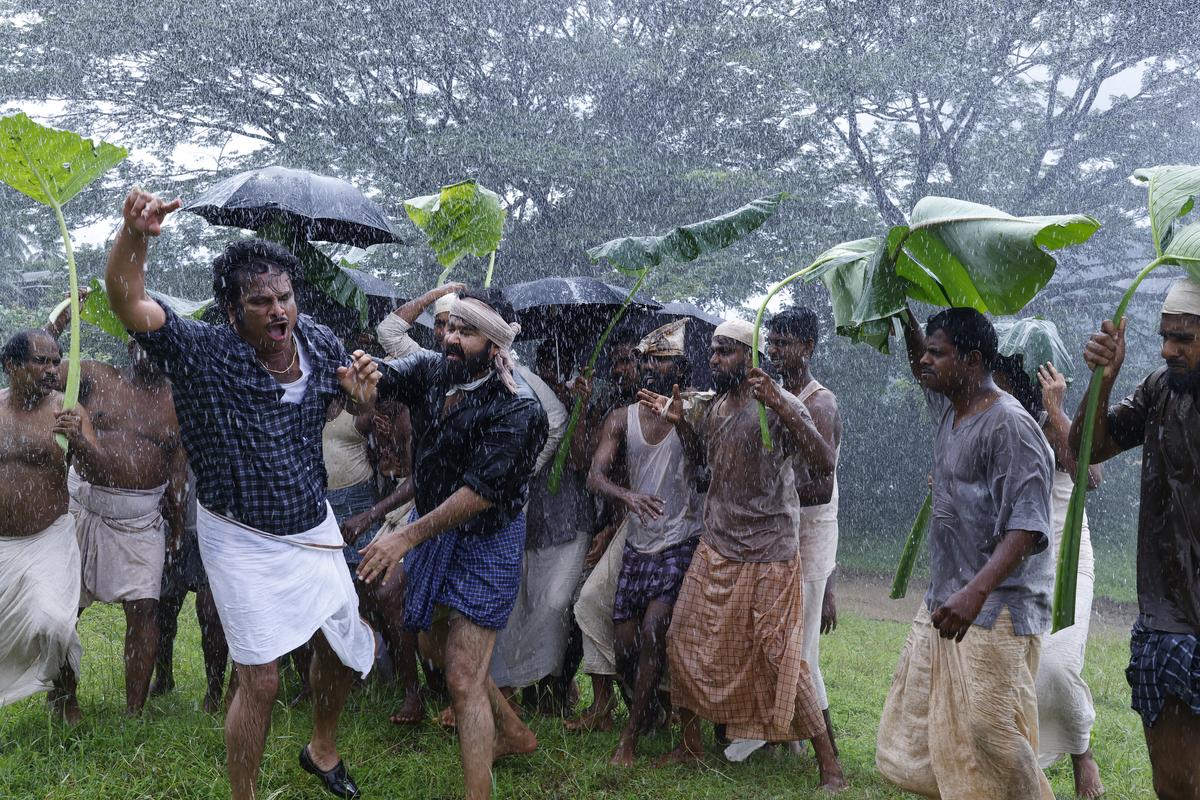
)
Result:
{"points": [[288, 368]]}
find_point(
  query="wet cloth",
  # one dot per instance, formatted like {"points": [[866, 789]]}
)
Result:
{"points": [[733, 648], [554, 520], [348, 501], [1161, 664], [664, 471], [593, 609], [39, 590], [1066, 713], [477, 575], [1166, 425], [257, 458], [810, 648], [274, 592], [183, 571], [992, 473], [122, 541], [818, 530], [960, 720], [646, 577], [345, 453], [534, 640]]}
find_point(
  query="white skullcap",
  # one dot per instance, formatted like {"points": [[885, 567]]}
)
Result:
{"points": [[740, 331], [1184, 298], [444, 303]]}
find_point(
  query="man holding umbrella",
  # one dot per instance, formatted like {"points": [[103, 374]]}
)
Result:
{"points": [[251, 399]]}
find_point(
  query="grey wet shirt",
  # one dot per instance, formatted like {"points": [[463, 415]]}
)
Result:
{"points": [[993, 473]]}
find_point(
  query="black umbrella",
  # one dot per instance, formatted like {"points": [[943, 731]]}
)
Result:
{"points": [[697, 337], [316, 207], [576, 309]]}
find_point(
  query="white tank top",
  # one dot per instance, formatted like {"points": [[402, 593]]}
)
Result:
{"points": [[661, 469], [818, 531]]}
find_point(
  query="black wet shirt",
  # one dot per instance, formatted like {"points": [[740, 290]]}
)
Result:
{"points": [[1167, 426], [489, 440], [257, 459]]}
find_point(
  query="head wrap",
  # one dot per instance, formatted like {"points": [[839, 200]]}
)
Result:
{"points": [[483, 318], [740, 331], [1184, 298], [442, 304], [664, 341]]}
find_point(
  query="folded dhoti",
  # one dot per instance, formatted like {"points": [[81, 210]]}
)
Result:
{"points": [[122, 541], [274, 592], [593, 608], [39, 584]]}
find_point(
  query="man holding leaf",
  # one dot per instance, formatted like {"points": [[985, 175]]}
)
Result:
{"points": [[1162, 416], [960, 720], [251, 398]]}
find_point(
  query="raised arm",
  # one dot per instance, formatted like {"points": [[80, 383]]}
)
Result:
{"points": [[412, 309], [1058, 424], [671, 409], [914, 341], [1105, 349], [124, 277]]}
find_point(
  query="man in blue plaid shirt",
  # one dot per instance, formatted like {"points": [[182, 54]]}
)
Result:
{"points": [[251, 398]]}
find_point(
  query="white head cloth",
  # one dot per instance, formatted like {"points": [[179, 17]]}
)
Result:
{"points": [[1184, 298], [443, 304], [740, 331], [500, 333]]}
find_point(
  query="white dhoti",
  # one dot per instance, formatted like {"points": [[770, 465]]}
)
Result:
{"points": [[593, 609], [274, 592], [39, 587], [122, 541], [534, 641], [810, 649]]}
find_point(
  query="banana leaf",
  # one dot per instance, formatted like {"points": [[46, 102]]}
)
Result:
{"points": [[846, 269], [52, 166], [320, 271], [96, 310], [912, 548], [639, 255], [463, 218], [1036, 341], [1172, 191]]}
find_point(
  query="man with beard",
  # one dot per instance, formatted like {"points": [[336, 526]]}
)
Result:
{"points": [[125, 503], [1163, 417], [251, 398], [39, 557], [664, 523], [477, 438], [734, 645], [960, 720]]}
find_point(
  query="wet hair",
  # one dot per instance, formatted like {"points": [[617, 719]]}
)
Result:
{"points": [[493, 299], [1025, 389], [16, 349], [798, 321], [242, 259], [967, 330]]}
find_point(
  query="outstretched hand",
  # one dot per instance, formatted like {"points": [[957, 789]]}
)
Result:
{"points": [[360, 378], [383, 555], [669, 408], [144, 212]]}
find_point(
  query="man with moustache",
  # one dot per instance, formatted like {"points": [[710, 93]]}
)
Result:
{"points": [[39, 557], [734, 645], [477, 436], [251, 397], [125, 504], [664, 523], [1162, 416]]}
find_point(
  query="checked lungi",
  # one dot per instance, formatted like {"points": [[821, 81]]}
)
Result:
{"points": [[1162, 664], [646, 577]]}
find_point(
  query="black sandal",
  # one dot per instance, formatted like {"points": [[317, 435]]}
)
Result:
{"points": [[337, 780]]}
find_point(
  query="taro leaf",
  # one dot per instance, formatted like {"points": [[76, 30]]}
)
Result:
{"points": [[1171, 193], [97, 311], [461, 218], [49, 165], [965, 254], [635, 254], [844, 269], [1036, 341]]}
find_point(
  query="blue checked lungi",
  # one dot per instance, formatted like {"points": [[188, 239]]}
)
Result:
{"points": [[1162, 664], [477, 575], [646, 577]]}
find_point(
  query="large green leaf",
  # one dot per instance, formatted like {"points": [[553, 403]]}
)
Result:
{"points": [[846, 270], [97, 311], [320, 271], [636, 254], [1171, 193], [966, 254], [1036, 341], [1184, 249], [49, 165], [461, 218]]}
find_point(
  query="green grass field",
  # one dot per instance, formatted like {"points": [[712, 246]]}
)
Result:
{"points": [[176, 751]]}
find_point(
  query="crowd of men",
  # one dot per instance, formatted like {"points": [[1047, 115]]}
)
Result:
{"points": [[337, 510]]}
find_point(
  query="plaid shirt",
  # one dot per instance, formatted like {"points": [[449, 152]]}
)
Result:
{"points": [[256, 459]]}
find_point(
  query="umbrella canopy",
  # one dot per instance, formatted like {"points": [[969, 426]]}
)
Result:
{"points": [[317, 207], [697, 336], [681, 308], [576, 309]]}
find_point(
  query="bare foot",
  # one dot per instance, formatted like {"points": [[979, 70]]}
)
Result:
{"points": [[411, 712], [1087, 775], [682, 755], [515, 742], [64, 707], [591, 719], [624, 755], [832, 784], [446, 718]]}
